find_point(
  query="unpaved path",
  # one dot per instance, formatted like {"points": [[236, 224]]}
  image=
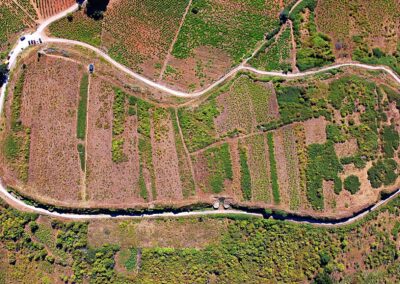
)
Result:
{"points": [[21, 45], [167, 58]]}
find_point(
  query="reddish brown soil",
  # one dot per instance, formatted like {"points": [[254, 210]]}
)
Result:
{"points": [[393, 115], [346, 149], [214, 62], [165, 161], [155, 233], [282, 168], [109, 183], [49, 108], [315, 130], [48, 8]]}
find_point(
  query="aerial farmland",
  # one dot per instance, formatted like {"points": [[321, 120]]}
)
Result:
{"points": [[199, 141]]}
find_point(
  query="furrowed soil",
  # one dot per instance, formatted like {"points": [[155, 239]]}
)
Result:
{"points": [[165, 158], [48, 8], [49, 110], [109, 183]]}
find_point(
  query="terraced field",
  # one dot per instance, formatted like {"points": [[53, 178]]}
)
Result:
{"points": [[13, 20], [48, 8], [187, 44], [326, 145]]}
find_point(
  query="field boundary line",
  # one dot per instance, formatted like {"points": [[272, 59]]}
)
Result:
{"points": [[167, 58], [23, 10], [188, 157], [294, 49], [84, 189]]}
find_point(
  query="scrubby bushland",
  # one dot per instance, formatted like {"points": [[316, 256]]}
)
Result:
{"points": [[383, 172], [3, 74], [352, 184], [96, 8]]}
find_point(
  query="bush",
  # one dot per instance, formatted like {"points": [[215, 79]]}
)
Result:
{"points": [[390, 140], [322, 164], [82, 107], [245, 178], [352, 184], [274, 173], [383, 172]]}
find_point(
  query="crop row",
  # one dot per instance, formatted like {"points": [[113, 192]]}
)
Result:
{"points": [[188, 187], [273, 168], [292, 167], [276, 54]]}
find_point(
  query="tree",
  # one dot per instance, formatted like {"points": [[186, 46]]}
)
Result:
{"points": [[352, 184], [96, 8], [3, 73]]}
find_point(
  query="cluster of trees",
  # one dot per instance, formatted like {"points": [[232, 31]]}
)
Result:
{"points": [[3, 74], [96, 8]]}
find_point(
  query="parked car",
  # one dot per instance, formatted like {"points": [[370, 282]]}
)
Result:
{"points": [[22, 38]]}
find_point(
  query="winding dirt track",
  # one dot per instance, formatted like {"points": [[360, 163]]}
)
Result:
{"points": [[39, 34]]}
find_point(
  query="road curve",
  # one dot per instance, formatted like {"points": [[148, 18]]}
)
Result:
{"points": [[39, 33]]}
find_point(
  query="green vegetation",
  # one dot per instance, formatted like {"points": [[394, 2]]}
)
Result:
{"points": [[146, 161], [352, 184], [11, 22], [129, 258], [143, 108], [274, 173], [215, 24], [188, 187], [338, 185], [219, 167], [391, 140], [275, 55], [16, 145], [117, 150], [82, 107], [383, 172], [81, 28], [246, 252], [393, 96], [299, 104], [81, 152], [118, 112], [142, 185], [376, 56], [323, 164], [245, 178], [314, 49], [198, 125], [12, 147], [16, 124], [118, 127]]}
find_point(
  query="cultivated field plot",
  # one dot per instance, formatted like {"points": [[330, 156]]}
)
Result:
{"points": [[217, 35], [40, 139], [135, 33], [364, 24], [187, 44], [48, 8], [326, 145], [13, 19]]}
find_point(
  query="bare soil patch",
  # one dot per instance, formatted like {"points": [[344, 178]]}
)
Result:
{"points": [[282, 169], [48, 8], [315, 130], [165, 160], [109, 183], [206, 66], [346, 149], [184, 233], [49, 109]]}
